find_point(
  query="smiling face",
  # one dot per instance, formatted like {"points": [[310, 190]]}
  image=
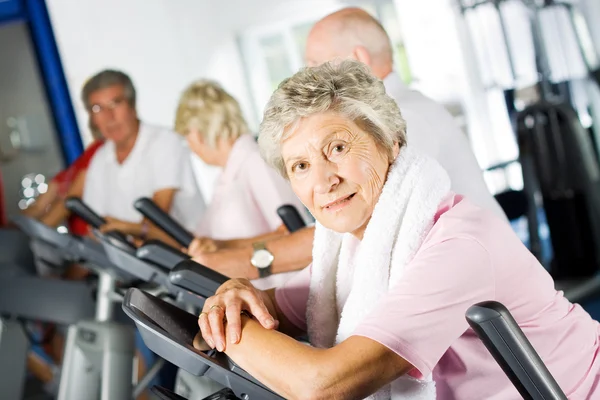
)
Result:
{"points": [[337, 170]]}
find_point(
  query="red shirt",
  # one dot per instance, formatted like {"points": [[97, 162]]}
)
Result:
{"points": [[65, 179]]}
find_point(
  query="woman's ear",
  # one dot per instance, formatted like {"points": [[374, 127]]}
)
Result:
{"points": [[395, 151]]}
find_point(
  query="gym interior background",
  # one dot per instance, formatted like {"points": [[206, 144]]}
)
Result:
{"points": [[486, 61]]}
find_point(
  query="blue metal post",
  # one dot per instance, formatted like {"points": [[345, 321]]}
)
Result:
{"points": [[54, 78]]}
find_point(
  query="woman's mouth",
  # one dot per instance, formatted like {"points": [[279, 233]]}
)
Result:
{"points": [[339, 203]]}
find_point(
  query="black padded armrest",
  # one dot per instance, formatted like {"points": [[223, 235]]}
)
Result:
{"points": [[161, 254], [507, 343], [169, 332], [127, 265], [196, 278], [116, 239]]}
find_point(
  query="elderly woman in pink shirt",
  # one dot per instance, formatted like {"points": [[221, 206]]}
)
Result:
{"points": [[397, 260], [248, 192]]}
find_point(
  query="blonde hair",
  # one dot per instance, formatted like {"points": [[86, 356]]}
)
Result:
{"points": [[347, 88], [206, 107]]}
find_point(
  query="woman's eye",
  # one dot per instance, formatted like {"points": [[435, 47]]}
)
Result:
{"points": [[299, 166], [337, 149]]}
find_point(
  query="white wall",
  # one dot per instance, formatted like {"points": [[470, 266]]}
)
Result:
{"points": [[162, 44]]}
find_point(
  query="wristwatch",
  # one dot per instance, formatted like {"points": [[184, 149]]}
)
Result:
{"points": [[262, 259]]}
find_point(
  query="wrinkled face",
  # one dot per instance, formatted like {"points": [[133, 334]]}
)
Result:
{"points": [[112, 115], [337, 170]]}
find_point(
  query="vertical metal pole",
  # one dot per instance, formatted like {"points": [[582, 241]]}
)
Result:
{"points": [[106, 286]]}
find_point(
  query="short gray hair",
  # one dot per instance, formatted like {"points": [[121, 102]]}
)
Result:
{"points": [[107, 78], [347, 88]]}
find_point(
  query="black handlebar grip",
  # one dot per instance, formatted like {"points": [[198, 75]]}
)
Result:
{"points": [[291, 218], [77, 207], [164, 221], [507, 343]]}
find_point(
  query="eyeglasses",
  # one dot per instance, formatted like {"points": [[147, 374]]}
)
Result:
{"points": [[111, 105]]}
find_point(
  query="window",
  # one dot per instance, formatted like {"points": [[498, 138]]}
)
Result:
{"points": [[274, 52]]}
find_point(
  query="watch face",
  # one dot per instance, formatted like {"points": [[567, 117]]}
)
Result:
{"points": [[262, 258]]}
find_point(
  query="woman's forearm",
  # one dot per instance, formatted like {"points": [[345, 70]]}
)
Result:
{"points": [[43, 203], [237, 243], [278, 361], [353, 369], [57, 214]]}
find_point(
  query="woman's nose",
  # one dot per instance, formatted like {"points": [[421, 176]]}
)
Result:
{"points": [[326, 177]]}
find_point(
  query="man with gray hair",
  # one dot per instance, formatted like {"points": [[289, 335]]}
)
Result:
{"points": [[137, 160], [353, 33]]}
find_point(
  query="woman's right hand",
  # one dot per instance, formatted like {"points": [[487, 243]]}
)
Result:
{"points": [[221, 316]]}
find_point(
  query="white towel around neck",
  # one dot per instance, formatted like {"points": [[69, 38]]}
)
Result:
{"points": [[402, 218]]}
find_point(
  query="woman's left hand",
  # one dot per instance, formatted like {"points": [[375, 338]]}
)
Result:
{"points": [[221, 316]]}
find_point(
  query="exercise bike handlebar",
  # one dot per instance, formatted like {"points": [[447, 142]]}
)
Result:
{"points": [[291, 217], [164, 221], [509, 346], [79, 208]]}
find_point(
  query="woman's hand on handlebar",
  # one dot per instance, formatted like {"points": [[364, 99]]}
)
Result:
{"points": [[221, 318]]}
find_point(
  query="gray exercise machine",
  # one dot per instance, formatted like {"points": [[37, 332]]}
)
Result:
{"points": [[169, 332], [197, 282], [151, 264], [501, 335], [24, 296], [100, 352]]}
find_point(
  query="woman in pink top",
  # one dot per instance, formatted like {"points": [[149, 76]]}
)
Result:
{"points": [[248, 192], [397, 261]]}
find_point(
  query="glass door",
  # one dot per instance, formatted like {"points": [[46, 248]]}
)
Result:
{"points": [[30, 152]]}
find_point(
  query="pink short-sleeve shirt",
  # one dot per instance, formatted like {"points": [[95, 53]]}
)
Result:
{"points": [[471, 256], [246, 196]]}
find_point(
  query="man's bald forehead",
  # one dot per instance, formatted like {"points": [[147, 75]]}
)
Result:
{"points": [[339, 34], [348, 19]]}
